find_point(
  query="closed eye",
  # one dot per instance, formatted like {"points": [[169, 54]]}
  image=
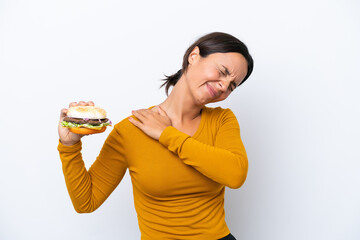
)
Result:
{"points": [[222, 73], [227, 72]]}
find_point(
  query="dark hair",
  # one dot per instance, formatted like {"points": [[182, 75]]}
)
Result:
{"points": [[216, 42]]}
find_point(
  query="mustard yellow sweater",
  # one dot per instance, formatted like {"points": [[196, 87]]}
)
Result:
{"points": [[178, 181]]}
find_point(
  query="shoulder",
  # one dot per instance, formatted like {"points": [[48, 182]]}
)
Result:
{"points": [[126, 127], [220, 118], [218, 113]]}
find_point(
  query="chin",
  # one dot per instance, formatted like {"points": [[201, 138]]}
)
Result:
{"points": [[217, 100], [201, 102]]}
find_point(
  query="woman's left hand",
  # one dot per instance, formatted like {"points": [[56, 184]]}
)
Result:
{"points": [[151, 121]]}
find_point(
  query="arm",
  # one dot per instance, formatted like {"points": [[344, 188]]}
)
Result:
{"points": [[89, 189], [225, 162]]}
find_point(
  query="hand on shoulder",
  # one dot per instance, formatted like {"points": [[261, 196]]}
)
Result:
{"points": [[151, 121]]}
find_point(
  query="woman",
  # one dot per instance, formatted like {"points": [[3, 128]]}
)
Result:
{"points": [[180, 153]]}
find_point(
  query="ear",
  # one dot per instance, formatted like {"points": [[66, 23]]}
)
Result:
{"points": [[194, 55]]}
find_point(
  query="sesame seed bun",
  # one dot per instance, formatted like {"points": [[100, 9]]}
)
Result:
{"points": [[90, 112]]}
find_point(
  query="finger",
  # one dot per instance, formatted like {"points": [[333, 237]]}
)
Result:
{"points": [[82, 103], [73, 104], [155, 109], [63, 113], [135, 122], [147, 112], [90, 103], [139, 114], [161, 111]]}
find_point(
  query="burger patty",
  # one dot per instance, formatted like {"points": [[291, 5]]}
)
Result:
{"points": [[94, 122]]}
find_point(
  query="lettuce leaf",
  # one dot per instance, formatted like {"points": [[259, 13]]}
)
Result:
{"points": [[75, 125]]}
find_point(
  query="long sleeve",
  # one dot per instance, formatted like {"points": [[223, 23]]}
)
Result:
{"points": [[89, 189], [225, 162]]}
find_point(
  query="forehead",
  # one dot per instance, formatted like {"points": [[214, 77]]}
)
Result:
{"points": [[234, 62]]}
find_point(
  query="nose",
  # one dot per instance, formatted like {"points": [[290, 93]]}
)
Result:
{"points": [[223, 85]]}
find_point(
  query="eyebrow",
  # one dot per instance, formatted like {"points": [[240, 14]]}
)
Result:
{"points": [[226, 70]]}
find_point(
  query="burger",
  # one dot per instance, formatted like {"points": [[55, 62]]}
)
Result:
{"points": [[86, 120]]}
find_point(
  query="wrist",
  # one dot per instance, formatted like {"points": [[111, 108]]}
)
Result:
{"points": [[68, 143]]}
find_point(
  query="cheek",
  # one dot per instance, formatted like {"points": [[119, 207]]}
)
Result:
{"points": [[211, 73], [202, 73], [206, 71]]}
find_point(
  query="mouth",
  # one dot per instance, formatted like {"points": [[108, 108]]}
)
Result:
{"points": [[211, 90]]}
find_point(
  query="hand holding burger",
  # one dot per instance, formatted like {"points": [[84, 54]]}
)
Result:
{"points": [[81, 119]]}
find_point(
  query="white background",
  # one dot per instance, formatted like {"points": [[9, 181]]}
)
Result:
{"points": [[298, 112]]}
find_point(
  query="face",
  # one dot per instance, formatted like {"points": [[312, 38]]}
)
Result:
{"points": [[213, 78]]}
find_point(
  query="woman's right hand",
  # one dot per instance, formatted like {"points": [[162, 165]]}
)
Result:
{"points": [[66, 137]]}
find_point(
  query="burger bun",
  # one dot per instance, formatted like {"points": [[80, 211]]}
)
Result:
{"points": [[85, 131], [90, 112]]}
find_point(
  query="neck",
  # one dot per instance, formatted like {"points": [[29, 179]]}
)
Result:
{"points": [[179, 105]]}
